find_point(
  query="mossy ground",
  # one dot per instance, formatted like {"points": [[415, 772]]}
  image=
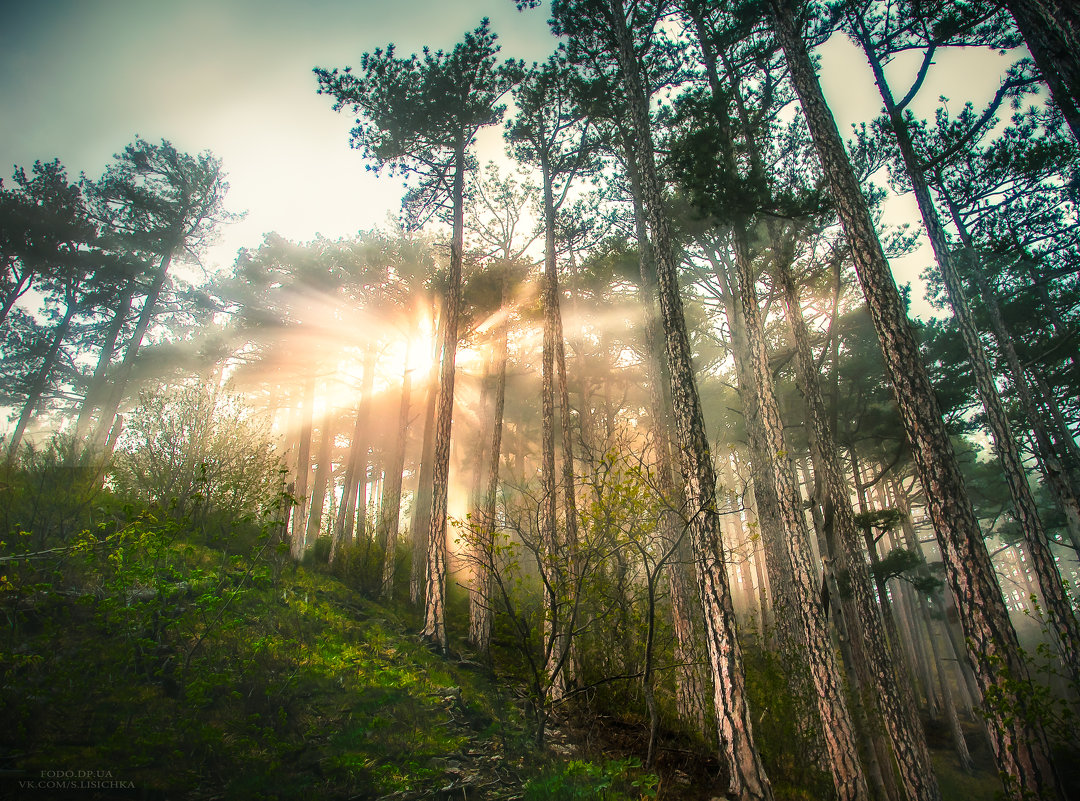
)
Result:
{"points": [[194, 670]]}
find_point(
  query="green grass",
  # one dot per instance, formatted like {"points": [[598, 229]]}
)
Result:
{"points": [[187, 670], [956, 785], [196, 672]]}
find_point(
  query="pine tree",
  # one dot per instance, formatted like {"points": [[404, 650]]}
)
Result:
{"points": [[604, 25], [1022, 751], [419, 118]]}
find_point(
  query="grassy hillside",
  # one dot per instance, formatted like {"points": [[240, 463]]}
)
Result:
{"points": [[150, 659]]}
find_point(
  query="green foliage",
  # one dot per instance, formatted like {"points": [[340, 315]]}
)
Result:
{"points": [[196, 448], [49, 491], [611, 781], [909, 565], [222, 670], [416, 114], [786, 750]]}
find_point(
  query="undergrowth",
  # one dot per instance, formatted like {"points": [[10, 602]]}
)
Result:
{"points": [[157, 657]]}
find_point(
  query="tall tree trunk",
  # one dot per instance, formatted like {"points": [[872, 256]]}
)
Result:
{"points": [[354, 489], [108, 349], [947, 701], [570, 515], [1063, 621], [843, 751], [481, 618], [41, 379], [1022, 752], [323, 474], [872, 661], [747, 779], [123, 373], [421, 520], [390, 514], [902, 646], [777, 561], [303, 467], [555, 571], [691, 687], [435, 599]]}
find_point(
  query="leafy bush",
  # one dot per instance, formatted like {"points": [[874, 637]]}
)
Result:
{"points": [[196, 449], [49, 490]]}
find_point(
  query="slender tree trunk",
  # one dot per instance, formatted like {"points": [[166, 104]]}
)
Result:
{"points": [[1062, 619], [435, 600], [303, 467], [105, 356], [1022, 752], [874, 746], [873, 663], [691, 687], [354, 489], [323, 474], [747, 779], [777, 561], [421, 520], [123, 373], [570, 515], [837, 727], [390, 514], [41, 380], [902, 646], [481, 620], [554, 569], [787, 633], [947, 701]]}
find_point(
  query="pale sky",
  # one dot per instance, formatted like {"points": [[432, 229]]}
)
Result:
{"points": [[82, 77]]}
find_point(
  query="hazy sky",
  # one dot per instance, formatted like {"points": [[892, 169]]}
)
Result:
{"points": [[82, 77]]}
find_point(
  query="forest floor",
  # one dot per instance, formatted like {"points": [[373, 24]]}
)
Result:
{"points": [[142, 663]]}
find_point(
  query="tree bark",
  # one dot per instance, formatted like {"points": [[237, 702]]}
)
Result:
{"points": [[421, 519], [777, 561], [481, 619], [872, 661], [1063, 622], [435, 593], [390, 513], [691, 687], [1022, 751], [747, 779], [555, 571], [840, 743]]}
